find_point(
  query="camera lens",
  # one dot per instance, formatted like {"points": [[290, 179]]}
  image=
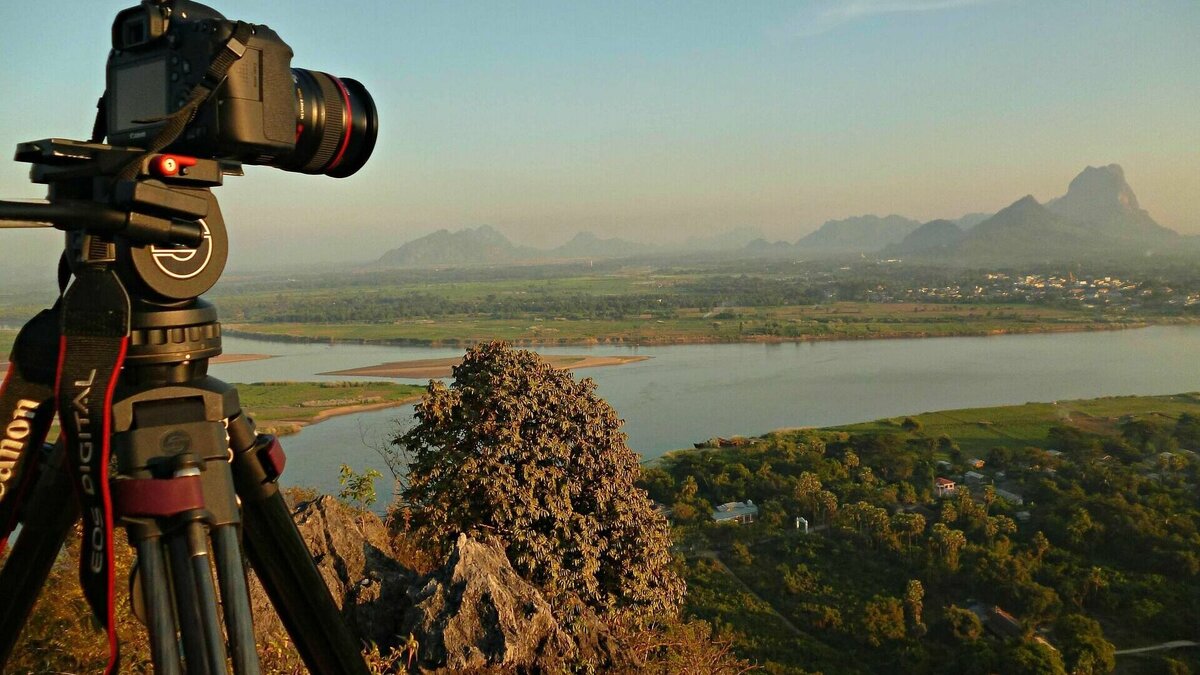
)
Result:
{"points": [[336, 125]]}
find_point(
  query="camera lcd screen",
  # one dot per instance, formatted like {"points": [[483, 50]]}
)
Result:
{"points": [[140, 93]]}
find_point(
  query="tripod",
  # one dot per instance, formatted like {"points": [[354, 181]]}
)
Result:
{"points": [[149, 440]]}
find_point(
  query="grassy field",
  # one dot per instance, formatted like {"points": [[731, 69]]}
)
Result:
{"points": [[844, 320], [979, 429], [282, 407]]}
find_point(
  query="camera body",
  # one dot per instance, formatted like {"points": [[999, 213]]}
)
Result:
{"points": [[160, 52], [262, 112]]}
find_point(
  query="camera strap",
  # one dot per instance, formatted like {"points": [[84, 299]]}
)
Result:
{"points": [[176, 122], [95, 336], [26, 410]]}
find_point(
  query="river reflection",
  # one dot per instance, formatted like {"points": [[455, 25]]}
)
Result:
{"points": [[686, 393]]}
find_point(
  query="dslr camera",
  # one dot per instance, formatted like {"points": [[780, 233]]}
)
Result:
{"points": [[264, 111]]}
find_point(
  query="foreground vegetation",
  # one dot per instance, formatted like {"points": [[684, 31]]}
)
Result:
{"points": [[1081, 525]]}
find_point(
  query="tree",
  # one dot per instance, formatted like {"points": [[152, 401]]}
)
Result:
{"points": [[1083, 645], [946, 544], [516, 449], [914, 598], [964, 624], [883, 619]]}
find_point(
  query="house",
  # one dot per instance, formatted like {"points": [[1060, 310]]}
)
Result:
{"points": [[1010, 496], [944, 465], [975, 463], [943, 487], [999, 622], [1023, 516], [975, 478], [736, 512]]}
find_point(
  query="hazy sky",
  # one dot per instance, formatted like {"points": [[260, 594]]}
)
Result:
{"points": [[656, 120]]}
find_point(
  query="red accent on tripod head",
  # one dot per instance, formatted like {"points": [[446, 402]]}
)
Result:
{"points": [[170, 165]]}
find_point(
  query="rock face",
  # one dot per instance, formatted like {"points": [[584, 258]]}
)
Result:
{"points": [[350, 551], [476, 611], [1100, 199]]}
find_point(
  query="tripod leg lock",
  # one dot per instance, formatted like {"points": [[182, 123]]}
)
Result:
{"points": [[257, 468], [157, 497]]}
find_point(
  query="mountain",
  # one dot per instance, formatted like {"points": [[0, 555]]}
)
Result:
{"points": [[1098, 217], [972, 219], [468, 246], [931, 235], [730, 240], [588, 245], [1024, 231], [1101, 200], [861, 234]]}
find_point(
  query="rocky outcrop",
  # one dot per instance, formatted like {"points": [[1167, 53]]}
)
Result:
{"points": [[351, 551], [473, 613], [476, 611]]}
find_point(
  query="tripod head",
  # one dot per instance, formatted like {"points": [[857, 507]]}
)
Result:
{"points": [[162, 228]]}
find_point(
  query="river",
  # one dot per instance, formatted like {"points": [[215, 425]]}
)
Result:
{"points": [[686, 393]]}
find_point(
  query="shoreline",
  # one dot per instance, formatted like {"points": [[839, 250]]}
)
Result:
{"points": [[420, 369], [682, 340], [289, 426]]}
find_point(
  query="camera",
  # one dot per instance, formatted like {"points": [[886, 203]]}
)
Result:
{"points": [[263, 112]]}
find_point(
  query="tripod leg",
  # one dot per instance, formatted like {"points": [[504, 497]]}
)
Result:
{"points": [[284, 565], [231, 575], [187, 604], [48, 520], [160, 619]]}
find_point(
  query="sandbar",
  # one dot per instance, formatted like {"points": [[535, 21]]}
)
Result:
{"points": [[427, 368]]}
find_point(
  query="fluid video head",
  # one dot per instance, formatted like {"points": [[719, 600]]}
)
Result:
{"points": [[263, 111]]}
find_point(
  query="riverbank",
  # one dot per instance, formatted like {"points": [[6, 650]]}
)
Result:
{"points": [[373, 334], [284, 408], [436, 368]]}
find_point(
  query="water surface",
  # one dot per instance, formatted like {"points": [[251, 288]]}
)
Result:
{"points": [[686, 393]]}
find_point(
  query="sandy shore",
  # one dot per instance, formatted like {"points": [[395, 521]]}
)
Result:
{"points": [[285, 426], [427, 368]]}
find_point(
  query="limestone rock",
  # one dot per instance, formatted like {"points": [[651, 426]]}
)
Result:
{"points": [[350, 550], [476, 611]]}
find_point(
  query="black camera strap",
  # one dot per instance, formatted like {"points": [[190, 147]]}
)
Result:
{"points": [[176, 122], [26, 410], [95, 336]]}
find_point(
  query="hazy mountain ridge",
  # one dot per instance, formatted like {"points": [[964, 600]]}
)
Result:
{"points": [[858, 234], [1099, 215]]}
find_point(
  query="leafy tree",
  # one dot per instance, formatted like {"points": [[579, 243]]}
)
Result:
{"points": [[964, 624], [517, 449], [883, 619], [946, 544], [358, 490], [914, 598], [742, 555], [1032, 658], [1083, 645]]}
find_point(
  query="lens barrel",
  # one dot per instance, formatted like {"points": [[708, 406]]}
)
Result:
{"points": [[336, 125]]}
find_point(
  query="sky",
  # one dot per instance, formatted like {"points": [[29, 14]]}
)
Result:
{"points": [[659, 120]]}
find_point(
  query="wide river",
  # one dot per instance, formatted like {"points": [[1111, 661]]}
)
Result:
{"points": [[688, 393]]}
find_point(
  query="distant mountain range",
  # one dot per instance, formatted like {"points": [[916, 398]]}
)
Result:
{"points": [[1098, 216]]}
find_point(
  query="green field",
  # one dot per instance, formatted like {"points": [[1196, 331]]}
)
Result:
{"points": [[979, 429], [283, 407], [844, 320]]}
